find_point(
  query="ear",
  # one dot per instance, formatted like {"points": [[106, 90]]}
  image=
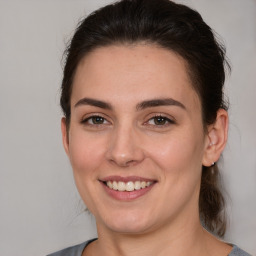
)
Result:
{"points": [[65, 137], [216, 138]]}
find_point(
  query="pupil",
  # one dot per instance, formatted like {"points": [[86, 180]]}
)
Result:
{"points": [[98, 120], [159, 120]]}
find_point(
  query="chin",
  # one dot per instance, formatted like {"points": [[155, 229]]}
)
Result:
{"points": [[128, 223], [130, 228]]}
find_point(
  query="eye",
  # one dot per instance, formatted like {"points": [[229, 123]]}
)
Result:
{"points": [[95, 120], [160, 121]]}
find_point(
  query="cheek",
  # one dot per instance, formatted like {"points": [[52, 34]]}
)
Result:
{"points": [[177, 152], [85, 152], [86, 156]]}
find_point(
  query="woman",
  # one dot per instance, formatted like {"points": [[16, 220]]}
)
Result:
{"points": [[145, 124]]}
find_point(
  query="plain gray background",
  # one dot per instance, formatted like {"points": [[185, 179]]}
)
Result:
{"points": [[40, 210]]}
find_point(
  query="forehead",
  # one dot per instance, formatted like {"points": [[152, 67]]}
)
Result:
{"points": [[138, 71]]}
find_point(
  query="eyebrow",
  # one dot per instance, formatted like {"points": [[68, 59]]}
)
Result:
{"points": [[143, 105], [95, 103], [159, 102]]}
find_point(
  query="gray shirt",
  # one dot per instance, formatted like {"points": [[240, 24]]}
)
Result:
{"points": [[77, 250]]}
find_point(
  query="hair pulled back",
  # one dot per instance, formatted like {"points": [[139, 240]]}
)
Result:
{"points": [[177, 28]]}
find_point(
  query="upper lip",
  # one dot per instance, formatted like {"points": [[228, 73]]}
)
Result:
{"points": [[126, 179]]}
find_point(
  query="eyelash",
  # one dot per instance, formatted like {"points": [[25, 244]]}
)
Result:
{"points": [[166, 121], [87, 120]]}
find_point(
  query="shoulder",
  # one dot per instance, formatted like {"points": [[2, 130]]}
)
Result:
{"points": [[75, 250], [236, 251]]}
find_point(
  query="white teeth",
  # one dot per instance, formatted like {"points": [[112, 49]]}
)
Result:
{"points": [[121, 186], [143, 184], [129, 186], [137, 185], [110, 185], [115, 186]]}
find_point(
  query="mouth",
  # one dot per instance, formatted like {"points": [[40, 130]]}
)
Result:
{"points": [[127, 188]]}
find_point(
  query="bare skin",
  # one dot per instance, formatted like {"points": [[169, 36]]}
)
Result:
{"points": [[202, 244], [135, 115]]}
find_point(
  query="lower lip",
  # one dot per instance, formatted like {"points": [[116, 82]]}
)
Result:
{"points": [[126, 195]]}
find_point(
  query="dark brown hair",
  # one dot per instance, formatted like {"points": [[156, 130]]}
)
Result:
{"points": [[177, 28]]}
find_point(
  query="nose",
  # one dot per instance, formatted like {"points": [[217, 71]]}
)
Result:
{"points": [[125, 147]]}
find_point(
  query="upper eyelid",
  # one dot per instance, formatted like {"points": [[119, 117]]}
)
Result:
{"points": [[93, 114]]}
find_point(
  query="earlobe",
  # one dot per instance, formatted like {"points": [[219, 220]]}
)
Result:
{"points": [[65, 139], [216, 138]]}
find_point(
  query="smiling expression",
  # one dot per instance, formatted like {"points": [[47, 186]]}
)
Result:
{"points": [[136, 140]]}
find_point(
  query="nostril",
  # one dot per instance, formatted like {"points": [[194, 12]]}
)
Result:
{"points": [[121, 163], [124, 152]]}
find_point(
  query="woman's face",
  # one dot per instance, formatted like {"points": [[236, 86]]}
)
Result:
{"points": [[136, 140]]}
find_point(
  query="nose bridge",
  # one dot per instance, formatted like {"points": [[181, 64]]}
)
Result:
{"points": [[124, 146]]}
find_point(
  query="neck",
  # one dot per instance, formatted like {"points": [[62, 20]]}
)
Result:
{"points": [[180, 240]]}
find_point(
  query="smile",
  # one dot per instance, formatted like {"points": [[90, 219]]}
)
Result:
{"points": [[128, 186]]}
